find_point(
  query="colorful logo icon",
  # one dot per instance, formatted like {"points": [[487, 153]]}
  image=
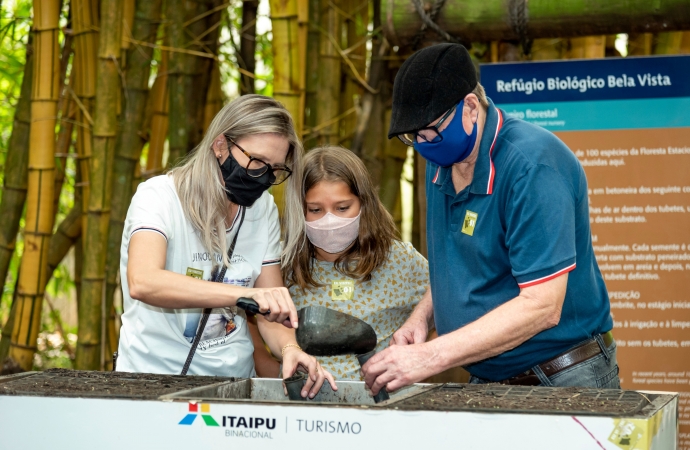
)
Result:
{"points": [[194, 411]]}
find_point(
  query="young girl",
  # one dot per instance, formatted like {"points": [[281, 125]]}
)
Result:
{"points": [[342, 252]]}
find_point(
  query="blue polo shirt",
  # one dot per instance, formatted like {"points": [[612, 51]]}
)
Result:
{"points": [[523, 220]]}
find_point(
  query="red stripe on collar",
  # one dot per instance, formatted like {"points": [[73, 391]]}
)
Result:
{"points": [[438, 170], [492, 169]]}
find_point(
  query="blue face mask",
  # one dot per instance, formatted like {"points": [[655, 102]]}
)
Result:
{"points": [[455, 146]]}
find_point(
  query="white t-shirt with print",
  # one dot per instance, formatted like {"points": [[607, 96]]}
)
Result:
{"points": [[157, 340]]}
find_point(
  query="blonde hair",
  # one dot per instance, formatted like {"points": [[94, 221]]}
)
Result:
{"points": [[377, 230], [198, 179]]}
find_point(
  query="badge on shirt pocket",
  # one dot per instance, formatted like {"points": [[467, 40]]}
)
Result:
{"points": [[195, 273], [342, 290], [469, 223]]}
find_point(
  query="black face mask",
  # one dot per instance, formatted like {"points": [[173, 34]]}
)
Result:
{"points": [[239, 186]]}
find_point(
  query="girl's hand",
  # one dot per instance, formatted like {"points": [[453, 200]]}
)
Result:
{"points": [[294, 359]]}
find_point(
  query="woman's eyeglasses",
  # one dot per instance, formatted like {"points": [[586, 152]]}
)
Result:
{"points": [[256, 167]]}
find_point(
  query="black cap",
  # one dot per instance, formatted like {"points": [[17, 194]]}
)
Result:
{"points": [[429, 83]]}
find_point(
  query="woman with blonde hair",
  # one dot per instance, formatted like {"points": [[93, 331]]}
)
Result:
{"points": [[212, 219], [342, 251]]}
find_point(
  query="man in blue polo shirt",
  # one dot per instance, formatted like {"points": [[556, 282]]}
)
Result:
{"points": [[518, 297]]}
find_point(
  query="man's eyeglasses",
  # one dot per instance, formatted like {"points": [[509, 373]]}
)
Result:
{"points": [[428, 134], [256, 167]]}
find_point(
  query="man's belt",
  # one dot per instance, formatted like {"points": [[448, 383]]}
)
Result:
{"points": [[561, 362]]}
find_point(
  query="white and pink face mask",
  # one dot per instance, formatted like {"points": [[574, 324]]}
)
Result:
{"points": [[333, 234]]}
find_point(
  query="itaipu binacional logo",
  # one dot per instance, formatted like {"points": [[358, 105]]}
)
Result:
{"points": [[194, 412], [235, 426]]}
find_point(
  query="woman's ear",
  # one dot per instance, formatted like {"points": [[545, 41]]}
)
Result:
{"points": [[219, 146]]}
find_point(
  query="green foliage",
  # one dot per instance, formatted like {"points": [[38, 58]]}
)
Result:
{"points": [[15, 23]]}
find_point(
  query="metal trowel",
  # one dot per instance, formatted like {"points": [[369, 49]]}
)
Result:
{"points": [[325, 332]]}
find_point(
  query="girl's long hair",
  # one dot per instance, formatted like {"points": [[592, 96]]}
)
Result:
{"points": [[377, 230], [198, 179]]}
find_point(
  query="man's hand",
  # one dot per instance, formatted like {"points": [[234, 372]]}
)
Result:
{"points": [[295, 358], [399, 366], [413, 331]]}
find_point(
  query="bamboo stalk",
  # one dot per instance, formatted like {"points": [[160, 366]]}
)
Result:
{"points": [[329, 72], [129, 144], [85, 30], [78, 245], [67, 112], [180, 78], [64, 142], [685, 43], [39, 212], [159, 105], [668, 43], [415, 238], [289, 19], [377, 72], [214, 97], [16, 167], [287, 69], [356, 23], [246, 58], [420, 200], [205, 34], [312, 73], [587, 47], [7, 365], [88, 356], [476, 21], [64, 238], [548, 49], [128, 13], [395, 155]]}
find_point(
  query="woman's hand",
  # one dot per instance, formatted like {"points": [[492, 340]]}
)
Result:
{"points": [[278, 301], [294, 358]]}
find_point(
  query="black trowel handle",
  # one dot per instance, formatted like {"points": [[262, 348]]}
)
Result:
{"points": [[250, 306]]}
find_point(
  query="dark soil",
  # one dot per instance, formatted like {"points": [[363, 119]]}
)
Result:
{"points": [[77, 383], [543, 400]]}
